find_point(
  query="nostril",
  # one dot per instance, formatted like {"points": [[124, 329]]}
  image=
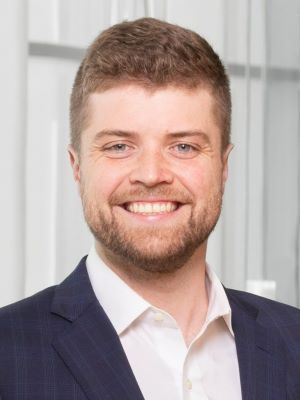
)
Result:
{"points": [[151, 174]]}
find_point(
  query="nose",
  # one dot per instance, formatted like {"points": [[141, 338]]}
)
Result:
{"points": [[151, 169]]}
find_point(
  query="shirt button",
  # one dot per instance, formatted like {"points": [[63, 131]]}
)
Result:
{"points": [[188, 384], [158, 316]]}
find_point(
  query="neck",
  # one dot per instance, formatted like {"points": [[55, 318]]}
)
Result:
{"points": [[181, 293]]}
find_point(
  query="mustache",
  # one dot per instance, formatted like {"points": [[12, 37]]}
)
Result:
{"points": [[161, 193]]}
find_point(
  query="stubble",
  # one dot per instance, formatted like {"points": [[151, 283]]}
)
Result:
{"points": [[155, 248]]}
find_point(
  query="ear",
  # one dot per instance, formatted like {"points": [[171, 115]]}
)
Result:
{"points": [[74, 161], [225, 157]]}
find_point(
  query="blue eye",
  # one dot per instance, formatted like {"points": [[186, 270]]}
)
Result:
{"points": [[118, 150], [119, 147], [184, 147]]}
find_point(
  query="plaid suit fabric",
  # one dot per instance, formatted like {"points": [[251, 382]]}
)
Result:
{"points": [[60, 345], [267, 335]]}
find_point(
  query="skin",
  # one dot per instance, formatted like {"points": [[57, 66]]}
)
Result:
{"points": [[161, 146]]}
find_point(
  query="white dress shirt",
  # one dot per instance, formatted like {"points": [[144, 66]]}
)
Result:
{"points": [[164, 367]]}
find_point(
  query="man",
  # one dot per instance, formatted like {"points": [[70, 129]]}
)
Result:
{"points": [[143, 316]]}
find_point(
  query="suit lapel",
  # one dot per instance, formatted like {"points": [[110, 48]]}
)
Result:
{"points": [[260, 353], [89, 345], [91, 349]]}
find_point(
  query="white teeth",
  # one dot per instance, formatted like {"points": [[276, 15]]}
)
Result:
{"points": [[156, 208], [151, 208], [148, 208]]}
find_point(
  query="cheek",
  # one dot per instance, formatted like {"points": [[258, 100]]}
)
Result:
{"points": [[202, 177], [103, 183]]}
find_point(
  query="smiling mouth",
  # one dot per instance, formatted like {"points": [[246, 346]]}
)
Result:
{"points": [[151, 208]]}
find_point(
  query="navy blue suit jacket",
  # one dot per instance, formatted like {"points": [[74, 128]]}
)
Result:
{"points": [[60, 345]]}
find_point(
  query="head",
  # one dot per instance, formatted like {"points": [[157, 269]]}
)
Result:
{"points": [[150, 138], [153, 54]]}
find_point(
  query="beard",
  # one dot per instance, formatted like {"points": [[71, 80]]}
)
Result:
{"points": [[156, 248]]}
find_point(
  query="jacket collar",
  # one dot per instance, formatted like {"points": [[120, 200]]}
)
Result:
{"points": [[91, 349], [260, 349], [89, 345]]}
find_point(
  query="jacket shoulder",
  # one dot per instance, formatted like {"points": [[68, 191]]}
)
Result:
{"points": [[277, 330], [277, 317], [26, 317], [29, 305], [279, 311]]}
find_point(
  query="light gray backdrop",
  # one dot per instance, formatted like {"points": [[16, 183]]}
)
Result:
{"points": [[42, 232]]}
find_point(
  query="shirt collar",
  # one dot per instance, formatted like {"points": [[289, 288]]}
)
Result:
{"points": [[123, 305], [218, 304]]}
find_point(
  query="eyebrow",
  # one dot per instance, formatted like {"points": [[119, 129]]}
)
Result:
{"points": [[117, 132], [131, 134], [194, 132]]}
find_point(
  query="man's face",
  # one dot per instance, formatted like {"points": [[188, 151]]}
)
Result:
{"points": [[151, 173]]}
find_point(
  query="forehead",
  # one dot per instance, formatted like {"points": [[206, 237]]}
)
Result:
{"points": [[136, 108]]}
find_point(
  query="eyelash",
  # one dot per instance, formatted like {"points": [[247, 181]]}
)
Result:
{"points": [[121, 149], [187, 145], [115, 147]]}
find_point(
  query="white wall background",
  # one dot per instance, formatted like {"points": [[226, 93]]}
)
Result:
{"points": [[42, 233]]}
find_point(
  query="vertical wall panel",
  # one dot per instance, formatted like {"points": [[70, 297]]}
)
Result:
{"points": [[156, 8], [43, 23], [13, 82], [40, 168], [234, 274], [258, 235], [56, 236], [204, 17], [282, 188]]}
